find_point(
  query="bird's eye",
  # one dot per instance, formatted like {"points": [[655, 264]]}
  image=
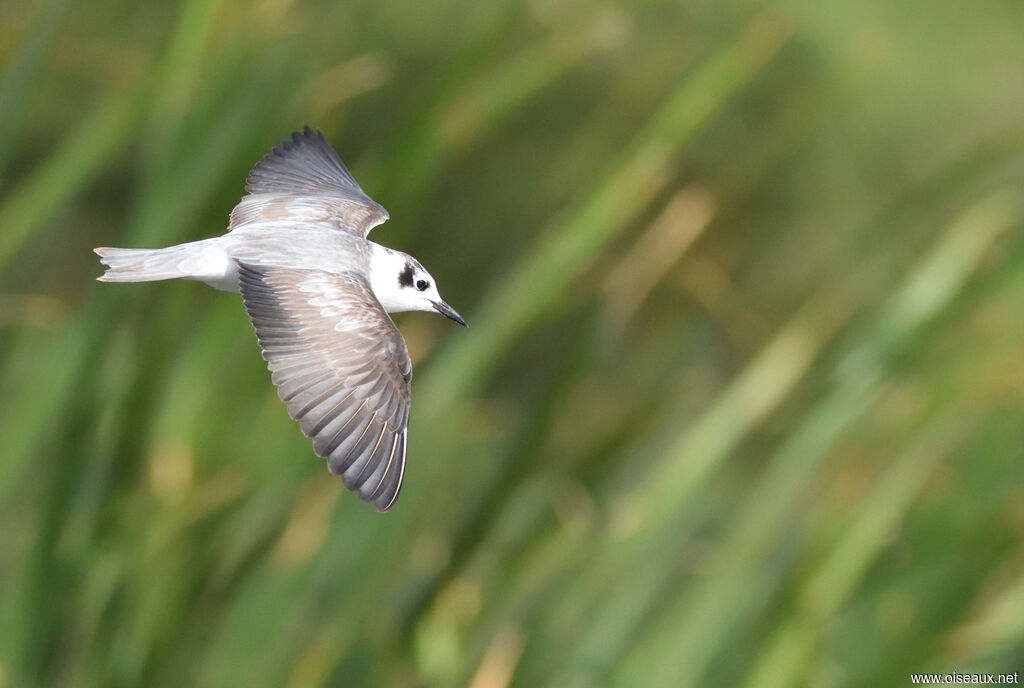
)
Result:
{"points": [[422, 285]]}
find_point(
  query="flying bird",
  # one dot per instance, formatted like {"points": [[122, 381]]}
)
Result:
{"points": [[318, 293]]}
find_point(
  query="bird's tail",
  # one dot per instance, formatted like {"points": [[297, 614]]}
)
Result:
{"points": [[142, 264]]}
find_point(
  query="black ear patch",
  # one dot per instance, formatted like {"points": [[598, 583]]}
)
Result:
{"points": [[405, 276]]}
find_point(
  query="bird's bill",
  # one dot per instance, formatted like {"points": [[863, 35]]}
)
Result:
{"points": [[448, 312]]}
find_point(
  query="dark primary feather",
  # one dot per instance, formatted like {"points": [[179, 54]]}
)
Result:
{"points": [[303, 179], [305, 162], [342, 368]]}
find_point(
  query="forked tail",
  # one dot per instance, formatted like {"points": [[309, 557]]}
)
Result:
{"points": [[141, 264], [205, 260]]}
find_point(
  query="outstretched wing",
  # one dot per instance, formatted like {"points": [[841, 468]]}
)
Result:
{"points": [[304, 180], [341, 367]]}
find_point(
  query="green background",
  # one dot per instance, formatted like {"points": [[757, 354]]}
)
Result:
{"points": [[742, 398]]}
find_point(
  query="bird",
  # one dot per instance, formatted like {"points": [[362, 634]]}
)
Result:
{"points": [[318, 294]]}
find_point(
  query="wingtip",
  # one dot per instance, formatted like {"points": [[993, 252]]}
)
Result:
{"points": [[306, 134], [383, 509], [303, 162]]}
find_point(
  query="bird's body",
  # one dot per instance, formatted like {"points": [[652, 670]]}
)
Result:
{"points": [[317, 292], [215, 261]]}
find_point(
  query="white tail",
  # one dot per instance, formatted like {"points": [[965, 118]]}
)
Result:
{"points": [[140, 264], [203, 260]]}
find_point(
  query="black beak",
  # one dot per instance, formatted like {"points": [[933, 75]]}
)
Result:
{"points": [[448, 312]]}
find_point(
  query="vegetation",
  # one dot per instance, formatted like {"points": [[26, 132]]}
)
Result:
{"points": [[742, 398]]}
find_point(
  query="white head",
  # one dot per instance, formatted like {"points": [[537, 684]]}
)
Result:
{"points": [[400, 283]]}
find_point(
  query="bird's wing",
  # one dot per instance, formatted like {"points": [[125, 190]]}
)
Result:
{"points": [[304, 180], [342, 368]]}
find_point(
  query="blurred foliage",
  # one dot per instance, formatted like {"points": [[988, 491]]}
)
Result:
{"points": [[742, 399]]}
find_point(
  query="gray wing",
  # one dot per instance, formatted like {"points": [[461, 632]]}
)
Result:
{"points": [[341, 367], [304, 180]]}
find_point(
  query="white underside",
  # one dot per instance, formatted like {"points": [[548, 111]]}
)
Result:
{"points": [[213, 266]]}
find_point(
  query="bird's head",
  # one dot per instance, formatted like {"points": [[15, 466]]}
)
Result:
{"points": [[400, 283]]}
